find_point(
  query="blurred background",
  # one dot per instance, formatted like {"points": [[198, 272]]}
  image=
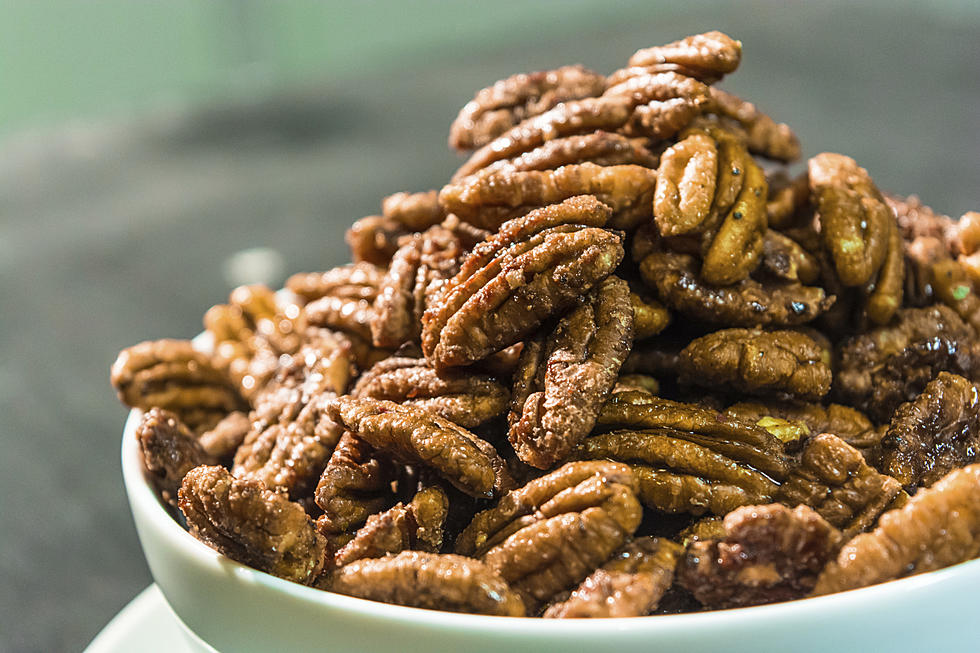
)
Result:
{"points": [[155, 154]]}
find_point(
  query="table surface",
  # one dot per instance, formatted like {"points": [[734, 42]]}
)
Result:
{"points": [[114, 234]]}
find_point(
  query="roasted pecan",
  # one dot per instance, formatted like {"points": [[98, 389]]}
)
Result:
{"points": [[935, 433], [885, 297], [953, 286], [785, 259], [429, 580], [565, 375], [374, 239], [650, 317], [833, 479], [488, 199], [747, 303], [227, 435], [890, 365], [171, 374], [916, 220], [356, 483], [351, 281], [414, 436], [521, 277], [169, 450], [796, 420], [461, 396], [769, 553], [416, 211], [547, 536], [938, 527], [758, 362], [764, 136], [630, 584], [346, 314], [664, 103], [497, 108], [247, 522], [786, 198], [686, 182], [599, 147], [636, 383], [707, 57]]}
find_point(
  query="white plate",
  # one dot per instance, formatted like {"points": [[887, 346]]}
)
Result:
{"points": [[146, 624]]}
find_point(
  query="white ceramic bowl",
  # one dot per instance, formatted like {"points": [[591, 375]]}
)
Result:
{"points": [[233, 608]]}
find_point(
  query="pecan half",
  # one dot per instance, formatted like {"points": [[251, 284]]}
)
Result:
{"points": [[247, 522], [416, 211], [565, 375], [663, 103], [355, 483], [764, 136], [785, 259], [708, 56], [600, 147], [374, 239], [169, 450], [796, 420], [352, 281], [431, 581]]}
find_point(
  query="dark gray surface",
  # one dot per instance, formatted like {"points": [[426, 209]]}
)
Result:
{"points": [[112, 236]]}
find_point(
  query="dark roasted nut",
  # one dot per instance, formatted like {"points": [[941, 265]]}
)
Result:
{"points": [[429, 580], [416, 526], [938, 527], [785, 259], [171, 374], [497, 108], [416, 211], [461, 396], [769, 554], [796, 420], [356, 483], [747, 303], [853, 217], [351, 281], [374, 239], [247, 522], [890, 365], [414, 436], [935, 433], [764, 136], [707, 57], [169, 450], [565, 375], [650, 317], [488, 199], [786, 198], [758, 362], [521, 277], [833, 479], [599, 147], [549, 535], [655, 358], [630, 584]]}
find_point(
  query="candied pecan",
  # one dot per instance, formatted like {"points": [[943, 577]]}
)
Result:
{"points": [[429, 580], [487, 199], [890, 365], [853, 216], [565, 375], [935, 433], [707, 57], [636, 383], [769, 554], [785, 259], [547, 536], [758, 362], [650, 317], [685, 187], [656, 358], [747, 303], [521, 277], [885, 298], [415, 436], [227, 435], [802, 419], [416, 211], [461, 396], [599, 147], [171, 374], [953, 286], [938, 527], [664, 103], [630, 584], [169, 450], [355, 483], [374, 239], [786, 198], [917, 220], [764, 136], [706, 528], [247, 522], [833, 479], [342, 313], [497, 108], [416, 526], [351, 281]]}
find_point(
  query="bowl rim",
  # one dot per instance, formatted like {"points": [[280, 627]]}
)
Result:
{"points": [[144, 498]]}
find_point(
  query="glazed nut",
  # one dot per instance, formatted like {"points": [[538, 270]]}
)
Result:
{"points": [[169, 450]]}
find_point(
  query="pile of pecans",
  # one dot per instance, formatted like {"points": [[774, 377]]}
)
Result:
{"points": [[622, 364]]}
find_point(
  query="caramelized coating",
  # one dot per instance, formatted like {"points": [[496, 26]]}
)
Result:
{"points": [[599, 147], [374, 239], [429, 580], [356, 483], [491, 305], [490, 198], [747, 303], [565, 375], [461, 396], [244, 520], [758, 362], [172, 375], [886, 296], [496, 109], [351, 281], [686, 182], [834, 480], [630, 584], [785, 259], [803, 419], [764, 136], [227, 435], [169, 450], [414, 436], [663, 103], [708, 56], [769, 554], [935, 433], [889, 365], [938, 527], [416, 211]]}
